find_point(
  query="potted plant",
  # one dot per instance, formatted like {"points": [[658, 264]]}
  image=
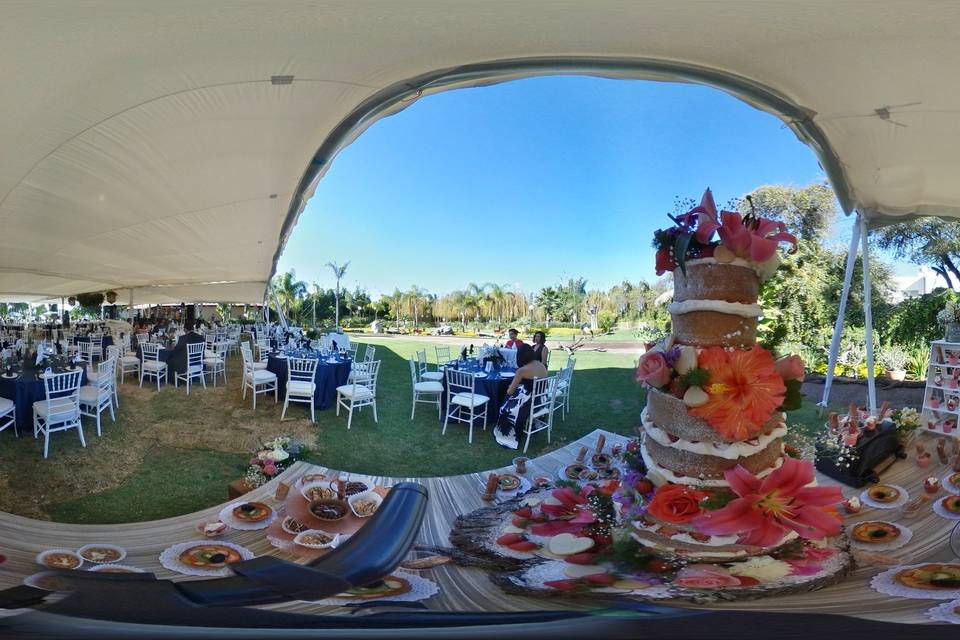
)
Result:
{"points": [[72, 301], [894, 360], [111, 296]]}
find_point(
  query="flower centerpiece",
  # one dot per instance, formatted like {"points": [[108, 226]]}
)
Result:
{"points": [[272, 459], [949, 317]]}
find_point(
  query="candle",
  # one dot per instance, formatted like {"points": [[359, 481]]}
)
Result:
{"points": [[282, 489], [490, 492], [582, 455], [942, 451], [601, 441], [520, 465], [834, 421]]}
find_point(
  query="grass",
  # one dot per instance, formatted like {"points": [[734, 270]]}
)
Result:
{"points": [[170, 454]]}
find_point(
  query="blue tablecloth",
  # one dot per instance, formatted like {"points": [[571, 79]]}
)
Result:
{"points": [[494, 385], [164, 355], [26, 389], [328, 378]]}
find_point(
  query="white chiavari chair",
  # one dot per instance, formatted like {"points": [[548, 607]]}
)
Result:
{"points": [[361, 392], [194, 370], [464, 404], [60, 408], [98, 397], [301, 384]]}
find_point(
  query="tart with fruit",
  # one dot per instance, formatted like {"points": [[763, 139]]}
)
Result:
{"points": [[293, 526], [573, 471], [210, 556], [883, 493], [252, 512], [61, 559], [954, 479], [601, 460], [951, 504], [875, 532], [101, 554], [389, 586], [933, 577], [508, 482]]}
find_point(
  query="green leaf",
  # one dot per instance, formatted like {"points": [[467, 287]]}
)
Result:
{"points": [[718, 499], [680, 246], [696, 378], [793, 399]]}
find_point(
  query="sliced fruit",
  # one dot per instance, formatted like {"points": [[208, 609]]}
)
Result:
{"points": [[510, 538]]}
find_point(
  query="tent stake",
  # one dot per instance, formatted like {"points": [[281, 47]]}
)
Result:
{"points": [[868, 315], [841, 311]]}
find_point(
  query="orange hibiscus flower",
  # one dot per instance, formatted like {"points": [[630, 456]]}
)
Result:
{"points": [[744, 390]]}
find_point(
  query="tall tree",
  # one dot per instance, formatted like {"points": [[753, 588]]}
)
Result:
{"points": [[396, 302], [807, 211], [338, 273], [930, 241], [498, 295], [415, 298], [289, 290], [477, 297]]}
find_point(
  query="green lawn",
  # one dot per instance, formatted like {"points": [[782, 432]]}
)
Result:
{"points": [[168, 454]]}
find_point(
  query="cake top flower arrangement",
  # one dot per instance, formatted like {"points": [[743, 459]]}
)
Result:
{"points": [[746, 238]]}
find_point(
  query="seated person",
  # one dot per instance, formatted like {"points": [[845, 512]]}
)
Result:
{"points": [[514, 342], [178, 357], [515, 411], [540, 347]]}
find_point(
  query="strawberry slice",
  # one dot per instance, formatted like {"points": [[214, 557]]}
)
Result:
{"points": [[520, 523], [526, 545], [581, 558], [563, 585], [510, 538], [747, 581], [523, 512]]}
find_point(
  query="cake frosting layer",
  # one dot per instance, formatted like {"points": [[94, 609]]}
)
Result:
{"points": [[715, 549], [720, 306], [707, 279], [658, 474], [670, 414], [728, 450], [706, 467], [708, 328]]}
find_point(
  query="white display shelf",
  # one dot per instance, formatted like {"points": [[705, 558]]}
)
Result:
{"points": [[938, 359]]}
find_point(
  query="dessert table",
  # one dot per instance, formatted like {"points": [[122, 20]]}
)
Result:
{"points": [[25, 389], [328, 377]]}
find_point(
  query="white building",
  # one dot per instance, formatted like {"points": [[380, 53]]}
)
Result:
{"points": [[925, 280]]}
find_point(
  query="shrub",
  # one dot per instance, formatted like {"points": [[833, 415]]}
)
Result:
{"points": [[915, 320], [893, 357], [918, 359], [606, 319]]}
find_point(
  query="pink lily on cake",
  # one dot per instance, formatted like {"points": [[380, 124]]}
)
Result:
{"points": [[769, 508], [571, 515]]}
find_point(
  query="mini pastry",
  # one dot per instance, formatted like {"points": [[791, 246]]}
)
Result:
{"points": [[101, 554], [292, 526], [61, 560], [252, 512], [931, 576], [852, 505], [329, 509], [509, 482], [931, 485], [572, 472], [883, 493], [875, 532], [601, 461], [951, 504], [210, 556]]}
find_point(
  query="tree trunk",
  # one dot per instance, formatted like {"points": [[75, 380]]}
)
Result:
{"points": [[336, 306], [950, 265], [946, 275]]}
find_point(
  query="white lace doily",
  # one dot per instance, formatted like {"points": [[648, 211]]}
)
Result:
{"points": [[949, 486], [554, 570], [420, 589], [945, 612], [899, 502], [226, 516], [941, 511], [885, 582], [170, 559], [525, 485], [905, 535]]}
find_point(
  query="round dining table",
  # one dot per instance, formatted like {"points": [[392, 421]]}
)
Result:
{"points": [[492, 384], [332, 372], [25, 386]]}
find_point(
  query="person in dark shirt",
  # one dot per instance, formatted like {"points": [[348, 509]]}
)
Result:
{"points": [[178, 358]]}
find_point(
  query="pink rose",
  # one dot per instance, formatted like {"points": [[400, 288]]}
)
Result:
{"points": [[270, 470], [254, 461], [790, 368], [704, 576], [653, 370]]}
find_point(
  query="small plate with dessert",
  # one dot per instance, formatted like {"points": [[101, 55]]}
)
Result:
{"points": [[571, 472], [317, 491], [316, 539], [102, 553], [952, 483], [293, 526], [876, 535], [948, 507], [364, 505], [248, 516], [212, 529], [510, 485], [60, 559], [601, 461], [329, 510], [885, 496], [202, 558], [48, 581]]}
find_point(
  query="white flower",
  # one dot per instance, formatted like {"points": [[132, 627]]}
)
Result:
{"points": [[279, 455], [763, 568]]}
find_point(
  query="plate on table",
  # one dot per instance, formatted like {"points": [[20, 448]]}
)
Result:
{"points": [[9, 376], [248, 516], [203, 558], [479, 374], [507, 374]]}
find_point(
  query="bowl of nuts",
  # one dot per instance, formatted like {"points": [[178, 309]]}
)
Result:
{"points": [[365, 504]]}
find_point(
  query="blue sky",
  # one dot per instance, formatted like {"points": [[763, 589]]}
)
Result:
{"points": [[529, 182]]}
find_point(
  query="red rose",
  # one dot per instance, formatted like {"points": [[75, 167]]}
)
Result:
{"points": [[676, 503], [653, 370], [790, 368]]}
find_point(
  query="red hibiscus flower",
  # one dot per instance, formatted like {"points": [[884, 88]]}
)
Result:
{"points": [[769, 508], [665, 262]]}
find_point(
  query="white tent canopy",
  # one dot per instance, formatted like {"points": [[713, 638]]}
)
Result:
{"points": [[169, 147]]}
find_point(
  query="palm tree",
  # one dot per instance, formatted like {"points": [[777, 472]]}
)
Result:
{"points": [[477, 296], [338, 273], [289, 290], [460, 301], [396, 301], [498, 296], [313, 299]]}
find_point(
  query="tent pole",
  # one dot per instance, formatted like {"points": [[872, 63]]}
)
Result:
{"points": [[868, 315], [130, 312], [841, 310]]}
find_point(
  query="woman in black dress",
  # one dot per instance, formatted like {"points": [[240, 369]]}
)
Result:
{"points": [[516, 408], [540, 347]]}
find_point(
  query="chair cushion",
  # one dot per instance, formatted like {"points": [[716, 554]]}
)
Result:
{"points": [[467, 400], [129, 360], [6, 405], [260, 377], [432, 375], [61, 411], [358, 392], [301, 388], [259, 365], [212, 362], [92, 376], [428, 387], [152, 365], [89, 395]]}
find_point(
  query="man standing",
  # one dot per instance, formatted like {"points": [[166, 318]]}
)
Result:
{"points": [[514, 342], [178, 359]]}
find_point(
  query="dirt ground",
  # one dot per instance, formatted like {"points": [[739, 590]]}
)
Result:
{"points": [[842, 394]]}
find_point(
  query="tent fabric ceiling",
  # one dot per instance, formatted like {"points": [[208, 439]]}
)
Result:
{"points": [[143, 145]]}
